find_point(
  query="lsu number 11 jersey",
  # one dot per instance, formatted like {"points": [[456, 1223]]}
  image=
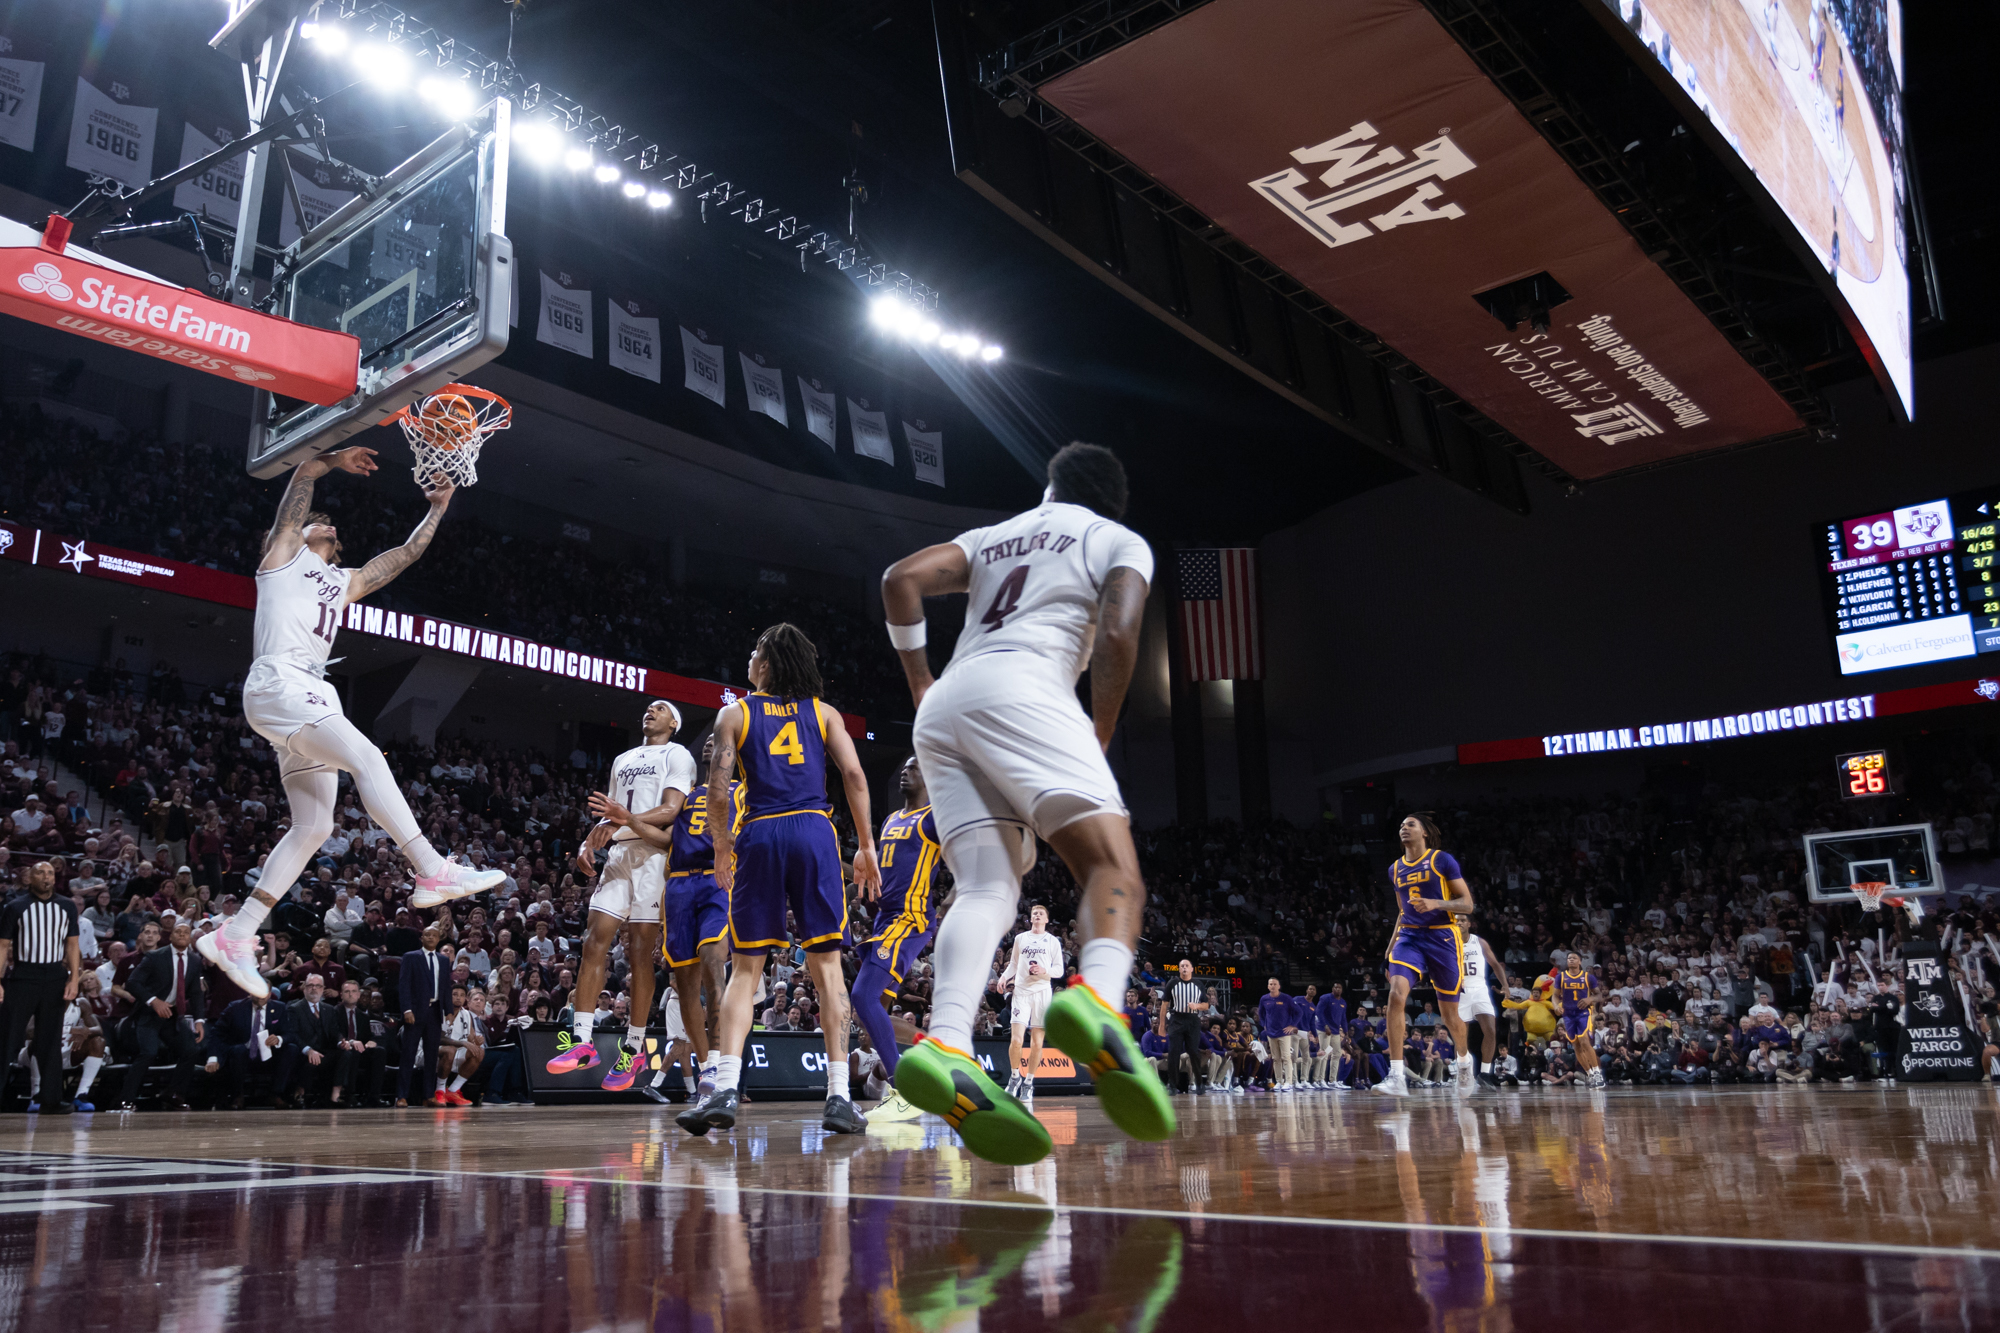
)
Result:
{"points": [[911, 855], [1035, 581], [299, 608], [641, 777]]}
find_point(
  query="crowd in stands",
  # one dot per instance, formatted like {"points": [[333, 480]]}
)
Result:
{"points": [[139, 492], [1690, 909]]}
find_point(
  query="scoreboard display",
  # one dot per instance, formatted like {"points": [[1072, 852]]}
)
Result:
{"points": [[1916, 584], [1863, 774]]}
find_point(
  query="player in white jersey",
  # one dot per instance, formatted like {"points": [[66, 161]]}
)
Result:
{"points": [[652, 781], [301, 597], [1030, 974], [1475, 999], [1010, 756]]}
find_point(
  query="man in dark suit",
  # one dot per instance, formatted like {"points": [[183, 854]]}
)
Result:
{"points": [[254, 1043], [167, 985], [425, 982], [317, 1039], [358, 1059]]}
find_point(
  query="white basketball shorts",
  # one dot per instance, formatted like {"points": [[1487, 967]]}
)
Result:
{"points": [[1031, 1005], [1002, 740], [1475, 998], [634, 881], [278, 699]]}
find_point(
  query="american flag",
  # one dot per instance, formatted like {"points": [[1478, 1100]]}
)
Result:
{"points": [[1219, 629]]}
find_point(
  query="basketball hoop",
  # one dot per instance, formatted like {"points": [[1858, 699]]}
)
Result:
{"points": [[446, 429], [1870, 893]]}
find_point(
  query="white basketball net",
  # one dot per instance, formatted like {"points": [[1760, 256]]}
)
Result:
{"points": [[446, 431], [1870, 896]]}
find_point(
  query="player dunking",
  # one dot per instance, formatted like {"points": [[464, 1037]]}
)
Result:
{"points": [[1475, 999], [652, 781], [1430, 892], [906, 922], [301, 595], [780, 852], [1010, 755], [1030, 974], [697, 912], [1578, 993]]}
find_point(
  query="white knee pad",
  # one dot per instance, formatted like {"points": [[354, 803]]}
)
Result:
{"points": [[990, 854]]}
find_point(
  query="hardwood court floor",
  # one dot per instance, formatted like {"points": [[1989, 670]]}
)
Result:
{"points": [[1828, 1209]]}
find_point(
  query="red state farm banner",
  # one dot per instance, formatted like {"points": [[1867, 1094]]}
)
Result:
{"points": [[67, 291], [1359, 148], [51, 550]]}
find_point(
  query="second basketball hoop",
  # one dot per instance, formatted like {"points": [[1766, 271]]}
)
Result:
{"points": [[446, 430]]}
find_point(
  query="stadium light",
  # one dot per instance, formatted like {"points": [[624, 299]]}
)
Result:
{"points": [[606, 174], [577, 159], [539, 140], [382, 66], [968, 345], [658, 199], [329, 37], [927, 332], [949, 342], [990, 352], [453, 97], [633, 189]]}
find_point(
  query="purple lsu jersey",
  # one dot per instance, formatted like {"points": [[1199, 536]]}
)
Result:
{"points": [[1426, 877], [904, 922], [1573, 989], [781, 750], [697, 910], [692, 840]]}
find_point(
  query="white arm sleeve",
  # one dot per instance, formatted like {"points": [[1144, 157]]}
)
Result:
{"points": [[680, 769]]}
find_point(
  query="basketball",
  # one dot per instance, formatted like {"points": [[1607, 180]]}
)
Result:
{"points": [[448, 418]]}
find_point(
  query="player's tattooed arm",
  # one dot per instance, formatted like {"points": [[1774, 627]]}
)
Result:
{"points": [[377, 573], [287, 533], [931, 572], [616, 816], [854, 781], [721, 764], [1121, 612]]}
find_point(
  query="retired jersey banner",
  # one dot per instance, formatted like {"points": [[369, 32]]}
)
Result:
{"points": [[565, 318], [109, 138], [216, 194], [926, 451], [871, 431], [634, 329], [319, 186], [20, 101], [766, 384], [820, 409], [1358, 147], [704, 366]]}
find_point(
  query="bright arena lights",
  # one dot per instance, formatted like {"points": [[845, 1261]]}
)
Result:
{"points": [[383, 66], [606, 174], [633, 189], [576, 159], [658, 199], [894, 315], [453, 97], [329, 37], [539, 140]]}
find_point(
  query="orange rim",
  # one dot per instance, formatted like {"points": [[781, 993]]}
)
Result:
{"points": [[464, 390]]}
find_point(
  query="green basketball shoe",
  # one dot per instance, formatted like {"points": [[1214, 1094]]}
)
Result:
{"points": [[950, 1083], [1096, 1036]]}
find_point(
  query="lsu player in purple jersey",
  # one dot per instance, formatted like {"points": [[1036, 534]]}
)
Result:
{"points": [[905, 923], [780, 853], [1431, 895], [1577, 995]]}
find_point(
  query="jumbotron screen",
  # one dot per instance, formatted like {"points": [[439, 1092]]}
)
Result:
{"points": [[1916, 584], [1809, 93]]}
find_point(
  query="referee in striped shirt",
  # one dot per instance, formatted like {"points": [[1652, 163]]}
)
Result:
{"points": [[39, 936], [1184, 1027]]}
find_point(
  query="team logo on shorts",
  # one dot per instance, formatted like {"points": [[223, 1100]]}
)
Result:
{"points": [[882, 952]]}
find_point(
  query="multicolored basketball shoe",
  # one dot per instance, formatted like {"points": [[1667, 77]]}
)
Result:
{"points": [[572, 1055], [625, 1070], [951, 1084], [1089, 1031]]}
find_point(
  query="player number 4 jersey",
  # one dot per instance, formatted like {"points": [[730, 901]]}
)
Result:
{"points": [[640, 779], [1036, 579], [298, 611]]}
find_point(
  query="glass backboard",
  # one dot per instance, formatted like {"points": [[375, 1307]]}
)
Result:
{"points": [[1904, 857]]}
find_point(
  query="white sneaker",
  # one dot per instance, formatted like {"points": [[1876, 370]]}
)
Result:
{"points": [[1238, 1090], [1395, 1087], [236, 959], [1464, 1084], [454, 881]]}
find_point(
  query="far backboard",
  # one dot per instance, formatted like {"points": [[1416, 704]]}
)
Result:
{"points": [[1904, 857], [422, 274]]}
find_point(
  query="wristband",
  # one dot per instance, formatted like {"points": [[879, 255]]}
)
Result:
{"points": [[908, 638]]}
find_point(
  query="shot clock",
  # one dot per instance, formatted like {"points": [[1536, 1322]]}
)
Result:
{"points": [[1863, 774]]}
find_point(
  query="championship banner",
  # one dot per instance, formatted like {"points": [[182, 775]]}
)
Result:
{"points": [[766, 384], [320, 187], [871, 432], [53, 550], [565, 317], [634, 329], [704, 366], [216, 194], [820, 409], [926, 451], [1937, 1046], [86, 294], [20, 99], [109, 138]]}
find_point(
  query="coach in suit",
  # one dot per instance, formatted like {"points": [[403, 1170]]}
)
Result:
{"points": [[358, 1058], [167, 984], [254, 1041], [318, 1038], [425, 982]]}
